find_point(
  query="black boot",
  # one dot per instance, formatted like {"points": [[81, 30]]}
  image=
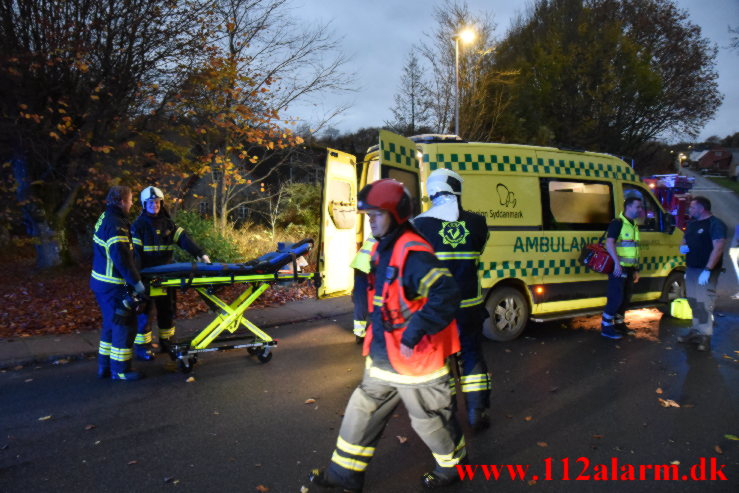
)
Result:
{"points": [[318, 477], [704, 343], [432, 480]]}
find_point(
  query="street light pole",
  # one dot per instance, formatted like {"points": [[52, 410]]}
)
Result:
{"points": [[456, 84], [467, 35]]}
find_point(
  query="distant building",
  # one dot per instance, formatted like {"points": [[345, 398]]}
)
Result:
{"points": [[716, 160]]}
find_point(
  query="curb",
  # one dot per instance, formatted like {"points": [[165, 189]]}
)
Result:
{"points": [[11, 363]]}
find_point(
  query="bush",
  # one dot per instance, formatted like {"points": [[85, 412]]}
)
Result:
{"points": [[218, 246], [236, 244], [301, 209]]}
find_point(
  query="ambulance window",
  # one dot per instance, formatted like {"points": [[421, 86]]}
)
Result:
{"points": [[576, 205], [410, 180], [650, 219], [341, 207]]}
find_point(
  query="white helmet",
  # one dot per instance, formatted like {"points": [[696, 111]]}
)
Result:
{"points": [[149, 193], [444, 180]]}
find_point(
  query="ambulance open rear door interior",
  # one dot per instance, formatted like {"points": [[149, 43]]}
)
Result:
{"points": [[338, 225]]}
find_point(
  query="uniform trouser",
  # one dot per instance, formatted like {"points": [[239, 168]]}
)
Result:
{"points": [[165, 306], [473, 371], [117, 334], [619, 296], [429, 407], [701, 299]]}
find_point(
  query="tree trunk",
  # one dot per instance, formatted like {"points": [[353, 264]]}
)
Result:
{"points": [[49, 234]]}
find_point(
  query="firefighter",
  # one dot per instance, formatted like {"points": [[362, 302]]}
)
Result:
{"points": [[113, 276], [409, 339], [458, 237], [154, 238]]}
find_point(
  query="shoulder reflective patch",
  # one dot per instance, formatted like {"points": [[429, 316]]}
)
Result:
{"points": [[454, 233]]}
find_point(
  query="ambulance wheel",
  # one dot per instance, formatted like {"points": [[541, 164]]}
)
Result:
{"points": [[265, 355], [509, 312], [674, 288]]}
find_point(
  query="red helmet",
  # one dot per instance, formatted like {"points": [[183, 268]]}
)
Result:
{"points": [[388, 195]]}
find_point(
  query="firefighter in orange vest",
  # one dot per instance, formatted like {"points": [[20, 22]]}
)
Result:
{"points": [[410, 336]]}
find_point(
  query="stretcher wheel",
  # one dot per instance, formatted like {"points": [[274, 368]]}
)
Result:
{"points": [[265, 355], [253, 351], [187, 364]]}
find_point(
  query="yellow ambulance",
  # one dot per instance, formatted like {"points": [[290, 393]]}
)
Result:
{"points": [[542, 205]]}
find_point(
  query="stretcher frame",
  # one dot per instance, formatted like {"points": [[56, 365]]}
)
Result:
{"points": [[229, 316]]}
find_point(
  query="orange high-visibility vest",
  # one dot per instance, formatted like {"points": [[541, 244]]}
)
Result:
{"points": [[432, 350]]}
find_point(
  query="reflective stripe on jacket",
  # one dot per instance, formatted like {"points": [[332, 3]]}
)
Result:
{"points": [[431, 351], [627, 243], [112, 261]]}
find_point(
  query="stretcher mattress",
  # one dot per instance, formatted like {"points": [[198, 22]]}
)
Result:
{"points": [[269, 263]]}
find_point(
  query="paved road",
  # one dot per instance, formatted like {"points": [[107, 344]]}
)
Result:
{"points": [[562, 392]]}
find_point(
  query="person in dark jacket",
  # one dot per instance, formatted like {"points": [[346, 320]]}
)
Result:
{"points": [[410, 336], [114, 279], [459, 237], [154, 237]]}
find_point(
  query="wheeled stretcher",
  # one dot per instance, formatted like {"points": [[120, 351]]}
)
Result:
{"points": [[256, 275]]}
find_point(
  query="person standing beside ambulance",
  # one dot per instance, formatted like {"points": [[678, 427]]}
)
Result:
{"points": [[703, 246], [458, 238], [154, 237], [410, 337], [622, 243]]}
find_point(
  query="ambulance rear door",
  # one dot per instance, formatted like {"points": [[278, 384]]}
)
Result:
{"points": [[399, 160], [337, 245]]}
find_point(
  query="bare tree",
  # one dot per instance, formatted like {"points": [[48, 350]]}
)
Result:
{"points": [[412, 107], [438, 51], [276, 60]]}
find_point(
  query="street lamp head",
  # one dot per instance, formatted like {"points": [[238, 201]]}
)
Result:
{"points": [[467, 35]]}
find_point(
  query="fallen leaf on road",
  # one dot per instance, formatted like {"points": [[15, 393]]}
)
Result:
{"points": [[190, 380], [597, 436], [19, 367], [132, 462], [262, 489], [401, 439], [29, 380], [89, 427], [659, 390], [732, 437], [216, 413], [303, 489], [542, 444], [63, 361], [169, 479], [45, 418], [528, 418], [718, 449], [310, 401], [668, 403], [532, 482], [675, 462]]}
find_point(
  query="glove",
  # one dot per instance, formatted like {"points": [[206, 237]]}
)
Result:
{"points": [[139, 288], [703, 278], [684, 249], [204, 258]]}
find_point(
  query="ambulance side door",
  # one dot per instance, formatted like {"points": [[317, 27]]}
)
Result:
{"points": [[337, 245]]}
